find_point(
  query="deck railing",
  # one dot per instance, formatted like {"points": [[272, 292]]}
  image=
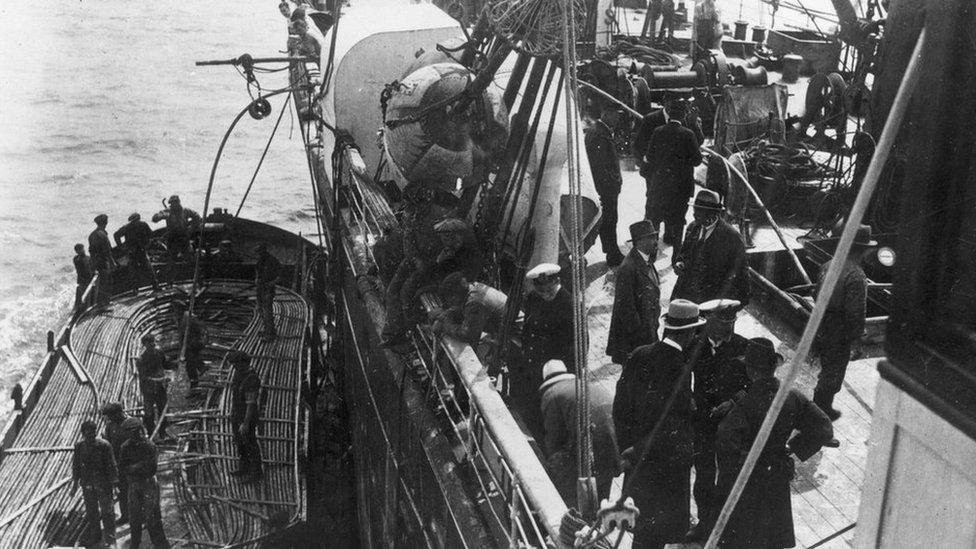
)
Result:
{"points": [[520, 504]]}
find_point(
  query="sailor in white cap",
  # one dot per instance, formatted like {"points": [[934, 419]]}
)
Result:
{"points": [[652, 374], [558, 404], [547, 332], [720, 381]]}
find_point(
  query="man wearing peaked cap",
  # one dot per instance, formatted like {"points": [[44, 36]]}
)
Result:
{"points": [[719, 380], [558, 406], [839, 336], [764, 516], [711, 263], [636, 296], [661, 485]]}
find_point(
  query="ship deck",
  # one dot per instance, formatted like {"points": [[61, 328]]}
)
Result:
{"points": [[201, 502], [827, 488]]}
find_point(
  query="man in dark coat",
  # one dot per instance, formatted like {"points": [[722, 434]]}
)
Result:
{"points": [[558, 404], [843, 323], [720, 381], [605, 167], [83, 270], [93, 468], [642, 138], [661, 484], [134, 238], [763, 517], [459, 252], [114, 415], [180, 222], [138, 461], [245, 394], [151, 370], [102, 261], [711, 263], [672, 154], [196, 341], [267, 272], [636, 297]]}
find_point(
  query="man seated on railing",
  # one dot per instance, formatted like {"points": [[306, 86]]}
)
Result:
{"points": [[558, 402], [471, 308]]}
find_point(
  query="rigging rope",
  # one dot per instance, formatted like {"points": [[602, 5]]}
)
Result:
{"points": [[263, 155], [583, 435], [893, 124]]}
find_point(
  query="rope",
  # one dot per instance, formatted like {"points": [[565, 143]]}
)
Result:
{"points": [[834, 535], [206, 208], [583, 436], [895, 117], [263, 154]]}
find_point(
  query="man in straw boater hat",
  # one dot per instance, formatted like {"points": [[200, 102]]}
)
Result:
{"points": [[763, 517], [636, 296], [661, 484], [720, 380], [843, 322], [711, 263], [558, 404]]}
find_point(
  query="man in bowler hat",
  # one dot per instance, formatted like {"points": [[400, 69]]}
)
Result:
{"points": [[637, 296]]}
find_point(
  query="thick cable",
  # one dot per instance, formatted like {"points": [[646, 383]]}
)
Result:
{"points": [[264, 153], [878, 161]]}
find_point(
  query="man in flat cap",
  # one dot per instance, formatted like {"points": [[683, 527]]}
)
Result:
{"points": [[267, 272], [134, 238], [151, 369], [114, 415], [245, 396], [459, 251], [764, 516], [662, 483], [83, 272], [711, 264], [636, 297], [93, 468], [843, 323], [139, 461], [720, 381], [180, 222], [100, 248]]}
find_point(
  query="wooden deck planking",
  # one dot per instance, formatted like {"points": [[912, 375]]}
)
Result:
{"points": [[827, 487]]}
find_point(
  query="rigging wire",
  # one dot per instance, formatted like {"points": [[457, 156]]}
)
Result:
{"points": [[263, 154], [871, 179]]}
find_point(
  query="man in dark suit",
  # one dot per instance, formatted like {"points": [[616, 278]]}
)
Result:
{"points": [[672, 154], [763, 516], [720, 381], [712, 260], [637, 296], [661, 484], [605, 167], [558, 403]]}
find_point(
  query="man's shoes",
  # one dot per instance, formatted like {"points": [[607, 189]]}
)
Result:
{"points": [[833, 413]]}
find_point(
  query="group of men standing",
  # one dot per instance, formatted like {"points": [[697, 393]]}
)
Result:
{"points": [[127, 460]]}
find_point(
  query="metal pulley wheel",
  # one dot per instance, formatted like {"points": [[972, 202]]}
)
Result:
{"points": [[825, 107], [259, 108]]}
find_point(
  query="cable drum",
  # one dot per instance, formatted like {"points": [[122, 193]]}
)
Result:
{"points": [[426, 139]]}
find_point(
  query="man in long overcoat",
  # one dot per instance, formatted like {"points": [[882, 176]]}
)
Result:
{"points": [[558, 403], [636, 297], [605, 166], [712, 260], [720, 380], [763, 517], [661, 484], [672, 155]]}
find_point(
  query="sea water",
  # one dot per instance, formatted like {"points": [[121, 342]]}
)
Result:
{"points": [[103, 111]]}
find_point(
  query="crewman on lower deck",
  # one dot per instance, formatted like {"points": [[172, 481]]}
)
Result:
{"points": [[151, 369], [138, 461], [102, 261], [93, 468], [114, 415], [83, 270], [244, 411], [267, 272]]}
